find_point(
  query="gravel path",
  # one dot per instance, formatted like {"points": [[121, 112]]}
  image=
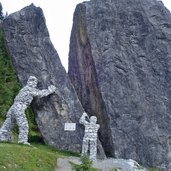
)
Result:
{"points": [[64, 165], [103, 165]]}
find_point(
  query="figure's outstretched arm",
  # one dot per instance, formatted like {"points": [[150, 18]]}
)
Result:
{"points": [[83, 119], [42, 93]]}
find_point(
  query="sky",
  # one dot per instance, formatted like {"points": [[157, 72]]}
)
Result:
{"points": [[59, 15]]}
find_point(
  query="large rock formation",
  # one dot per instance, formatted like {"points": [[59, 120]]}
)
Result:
{"points": [[120, 65], [32, 53]]}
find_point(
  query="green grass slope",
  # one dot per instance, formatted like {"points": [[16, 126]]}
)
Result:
{"points": [[17, 157], [14, 157]]}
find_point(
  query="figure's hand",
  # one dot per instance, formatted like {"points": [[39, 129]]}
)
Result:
{"points": [[52, 88], [85, 114]]}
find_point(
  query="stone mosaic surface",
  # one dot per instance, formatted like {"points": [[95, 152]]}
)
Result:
{"points": [[90, 135]]}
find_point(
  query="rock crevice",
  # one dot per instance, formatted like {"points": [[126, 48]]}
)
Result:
{"points": [[83, 76]]}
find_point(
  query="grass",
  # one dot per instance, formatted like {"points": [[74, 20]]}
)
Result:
{"points": [[17, 157], [153, 169]]}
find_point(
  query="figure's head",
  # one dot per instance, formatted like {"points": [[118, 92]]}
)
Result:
{"points": [[93, 119], [32, 81]]}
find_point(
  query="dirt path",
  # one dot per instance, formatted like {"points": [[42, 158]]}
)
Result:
{"points": [[63, 164]]}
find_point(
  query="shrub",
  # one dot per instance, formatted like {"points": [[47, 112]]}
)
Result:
{"points": [[86, 164]]}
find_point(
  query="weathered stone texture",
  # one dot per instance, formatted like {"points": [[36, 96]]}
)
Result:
{"points": [[120, 66], [32, 53]]}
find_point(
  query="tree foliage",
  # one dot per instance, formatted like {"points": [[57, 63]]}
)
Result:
{"points": [[1, 13], [86, 164], [9, 85]]}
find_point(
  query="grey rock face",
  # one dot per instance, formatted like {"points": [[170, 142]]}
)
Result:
{"points": [[120, 66], [32, 53]]}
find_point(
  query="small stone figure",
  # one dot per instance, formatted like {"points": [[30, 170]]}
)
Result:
{"points": [[90, 136], [17, 110]]}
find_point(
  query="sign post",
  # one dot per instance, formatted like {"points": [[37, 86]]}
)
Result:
{"points": [[70, 127]]}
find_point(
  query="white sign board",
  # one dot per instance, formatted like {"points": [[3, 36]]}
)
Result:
{"points": [[70, 127]]}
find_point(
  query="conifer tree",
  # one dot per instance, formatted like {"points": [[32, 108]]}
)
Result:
{"points": [[1, 13]]}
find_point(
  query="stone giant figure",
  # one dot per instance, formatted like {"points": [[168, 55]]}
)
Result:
{"points": [[90, 136], [17, 110]]}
